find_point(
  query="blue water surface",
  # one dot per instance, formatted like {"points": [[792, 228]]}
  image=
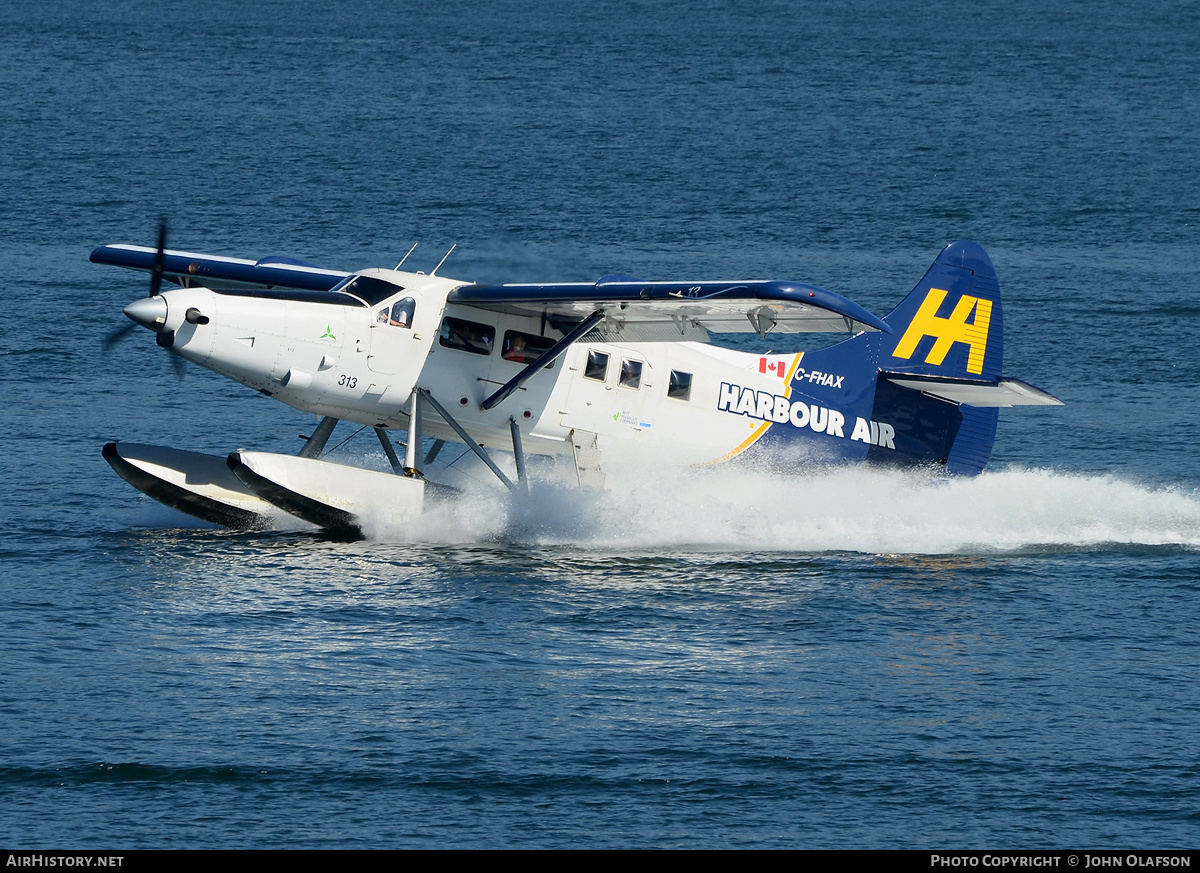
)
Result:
{"points": [[836, 659]]}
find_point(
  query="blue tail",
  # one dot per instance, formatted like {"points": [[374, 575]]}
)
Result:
{"points": [[951, 323], [947, 339], [950, 326]]}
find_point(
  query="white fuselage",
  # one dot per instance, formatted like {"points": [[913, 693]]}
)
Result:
{"points": [[361, 363]]}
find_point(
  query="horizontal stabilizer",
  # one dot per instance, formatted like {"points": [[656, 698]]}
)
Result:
{"points": [[975, 392]]}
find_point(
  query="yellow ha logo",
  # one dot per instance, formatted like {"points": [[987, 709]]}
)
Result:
{"points": [[949, 331]]}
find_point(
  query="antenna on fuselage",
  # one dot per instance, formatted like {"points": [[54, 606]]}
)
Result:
{"points": [[405, 258], [443, 260]]}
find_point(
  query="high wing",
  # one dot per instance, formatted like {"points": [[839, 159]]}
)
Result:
{"points": [[633, 310], [217, 272], [637, 311]]}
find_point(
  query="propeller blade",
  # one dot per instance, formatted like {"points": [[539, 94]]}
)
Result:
{"points": [[137, 310], [156, 276], [117, 335], [120, 333]]}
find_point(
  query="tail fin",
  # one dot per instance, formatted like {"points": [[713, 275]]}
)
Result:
{"points": [[951, 326], [951, 323]]}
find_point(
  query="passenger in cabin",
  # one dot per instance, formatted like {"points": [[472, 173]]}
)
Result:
{"points": [[480, 342], [463, 335], [524, 348], [515, 349]]}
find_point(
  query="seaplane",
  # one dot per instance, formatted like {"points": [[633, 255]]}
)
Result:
{"points": [[591, 373]]}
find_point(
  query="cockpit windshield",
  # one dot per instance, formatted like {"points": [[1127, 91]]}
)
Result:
{"points": [[368, 289]]}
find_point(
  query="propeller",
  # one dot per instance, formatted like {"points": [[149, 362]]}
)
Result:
{"points": [[178, 367], [117, 335], [160, 256], [156, 278]]}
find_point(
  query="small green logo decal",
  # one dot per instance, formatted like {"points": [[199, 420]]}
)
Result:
{"points": [[328, 334]]}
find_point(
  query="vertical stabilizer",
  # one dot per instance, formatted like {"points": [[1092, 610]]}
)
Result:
{"points": [[950, 325]]}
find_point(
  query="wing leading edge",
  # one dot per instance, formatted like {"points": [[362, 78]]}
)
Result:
{"points": [[218, 272]]}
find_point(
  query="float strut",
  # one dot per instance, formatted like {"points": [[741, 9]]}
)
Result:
{"points": [[518, 453], [316, 443], [414, 437], [433, 451], [467, 438], [384, 441]]}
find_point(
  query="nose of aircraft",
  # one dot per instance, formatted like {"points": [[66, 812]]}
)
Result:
{"points": [[149, 312]]}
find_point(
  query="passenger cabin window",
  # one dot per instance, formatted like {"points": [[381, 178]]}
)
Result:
{"points": [[524, 348], [631, 373], [467, 336], [681, 386], [597, 366]]}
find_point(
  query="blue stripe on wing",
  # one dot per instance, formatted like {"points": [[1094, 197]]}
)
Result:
{"points": [[217, 272]]}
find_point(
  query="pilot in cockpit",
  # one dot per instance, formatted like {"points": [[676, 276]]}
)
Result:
{"points": [[402, 312]]}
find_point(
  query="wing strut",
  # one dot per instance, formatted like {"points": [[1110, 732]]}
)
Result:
{"points": [[543, 360]]}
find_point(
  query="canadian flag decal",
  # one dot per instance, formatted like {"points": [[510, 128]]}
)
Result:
{"points": [[775, 368]]}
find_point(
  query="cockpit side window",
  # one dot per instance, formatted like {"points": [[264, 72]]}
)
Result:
{"points": [[402, 312], [371, 290]]}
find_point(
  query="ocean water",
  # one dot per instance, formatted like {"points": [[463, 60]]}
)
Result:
{"points": [[718, 658]]}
